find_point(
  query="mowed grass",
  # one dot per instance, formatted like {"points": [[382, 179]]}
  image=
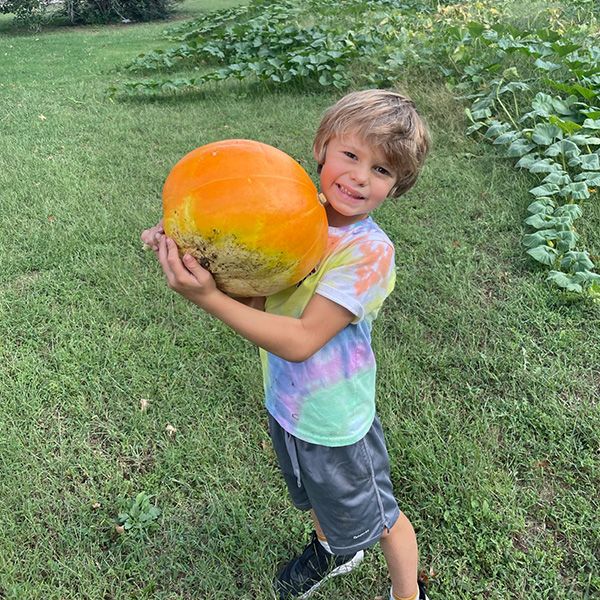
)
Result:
{"points": [[488, 380]]}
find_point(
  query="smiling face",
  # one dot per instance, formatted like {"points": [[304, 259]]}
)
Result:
{"points": [[355, 179]]}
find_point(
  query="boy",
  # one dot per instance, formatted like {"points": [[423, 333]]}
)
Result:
{"points": [[314, 339]]}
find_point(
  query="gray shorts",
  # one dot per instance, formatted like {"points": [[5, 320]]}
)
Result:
{"points": [[348, 487]]}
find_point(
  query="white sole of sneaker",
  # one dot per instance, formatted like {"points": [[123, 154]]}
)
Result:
{"points": [[341, 570]]}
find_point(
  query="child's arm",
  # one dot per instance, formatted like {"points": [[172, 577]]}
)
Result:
{"points": [[290, 338], [257, 302]]}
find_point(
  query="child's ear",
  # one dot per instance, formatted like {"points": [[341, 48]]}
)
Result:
{"points": [[319, 157]]}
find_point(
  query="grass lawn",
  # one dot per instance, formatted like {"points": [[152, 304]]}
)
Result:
{"points": [[488, 379]]}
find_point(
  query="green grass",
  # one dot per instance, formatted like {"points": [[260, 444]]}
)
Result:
{"points": [[488, 379]]}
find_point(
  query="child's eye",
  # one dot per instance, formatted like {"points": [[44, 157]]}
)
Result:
{"points": [[383, 171], [349, 154]]}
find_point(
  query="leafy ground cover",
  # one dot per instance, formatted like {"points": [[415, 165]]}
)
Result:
{"points": [[472, 45], [134, 457]]}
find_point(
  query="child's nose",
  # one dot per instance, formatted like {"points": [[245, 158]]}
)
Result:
{"points": [[360, 174]]}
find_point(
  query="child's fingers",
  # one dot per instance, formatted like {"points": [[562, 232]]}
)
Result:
{"points": [[184, 276], [173, 260], [162, 256], [167, 259], [181, 273], [147, 239], [193, 266], [151, 236]]}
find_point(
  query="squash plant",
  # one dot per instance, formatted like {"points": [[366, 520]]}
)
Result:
{"points": [[530, 90], [553, 135], [277, 42]]}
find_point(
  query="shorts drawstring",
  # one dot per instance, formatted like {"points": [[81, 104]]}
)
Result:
{"points": [[290, 443]]}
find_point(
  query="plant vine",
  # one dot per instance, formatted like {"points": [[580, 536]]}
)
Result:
{"points": [[532, 90]]}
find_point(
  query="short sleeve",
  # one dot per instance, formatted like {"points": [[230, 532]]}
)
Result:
{"points": [[360, 277]]}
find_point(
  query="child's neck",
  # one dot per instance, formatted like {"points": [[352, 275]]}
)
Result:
{"points": [[335, 219]]}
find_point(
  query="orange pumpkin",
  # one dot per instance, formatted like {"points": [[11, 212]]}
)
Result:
{"points": [[248, 212]]}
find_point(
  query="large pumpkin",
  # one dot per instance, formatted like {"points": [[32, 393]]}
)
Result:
{"points": [[248, 212]]}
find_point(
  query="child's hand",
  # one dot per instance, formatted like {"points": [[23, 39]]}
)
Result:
{"points": [[150, 236], [184, 276]]}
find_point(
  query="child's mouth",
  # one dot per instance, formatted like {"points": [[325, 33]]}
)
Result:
{"points": [[350, 193]]}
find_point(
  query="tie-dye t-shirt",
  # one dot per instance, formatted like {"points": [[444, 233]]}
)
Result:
{"points": [[329, 399]]}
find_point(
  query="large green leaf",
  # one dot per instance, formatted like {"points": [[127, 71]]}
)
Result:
{"points": [[507, 138], [539, 221], [542, 105], [548, 189], [575, 191], [546, 65], [543, 254], [566, 126], [564, 223], [545, 105], [565, 147], [475, 28], [585, 140], [576, 261], [588, 93], [566, 240], [545, 133], [562, 48], [591, 178], [475, 127], [519, 148], [590, 162], [545, 165], [513, 86], [559, 178], [565, 281], [496, 128], [525, 162], [544, 206], [591, 112], [539, 238], [591, 124], [572, 210], [481, 113], [588, 276]]}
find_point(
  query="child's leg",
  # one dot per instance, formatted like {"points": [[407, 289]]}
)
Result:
{"points": [[317, 525], [399, 547]]}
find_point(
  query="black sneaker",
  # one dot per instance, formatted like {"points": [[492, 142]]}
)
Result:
{"points": [[422, 590], [303, 575]]}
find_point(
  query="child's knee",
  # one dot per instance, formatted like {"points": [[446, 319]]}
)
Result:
{"points": [[401, 527]]}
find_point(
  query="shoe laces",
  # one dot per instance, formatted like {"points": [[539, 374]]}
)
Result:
{"points": [[315, 556]]}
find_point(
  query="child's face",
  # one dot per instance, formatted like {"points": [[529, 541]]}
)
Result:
{"points": [[355, 179]]}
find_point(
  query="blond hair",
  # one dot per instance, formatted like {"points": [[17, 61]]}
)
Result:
{"points": [[386, 120]]}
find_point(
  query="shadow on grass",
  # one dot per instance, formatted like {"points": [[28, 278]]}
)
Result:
{"points": [[252, 88], [17, 30], [214, 91]]}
